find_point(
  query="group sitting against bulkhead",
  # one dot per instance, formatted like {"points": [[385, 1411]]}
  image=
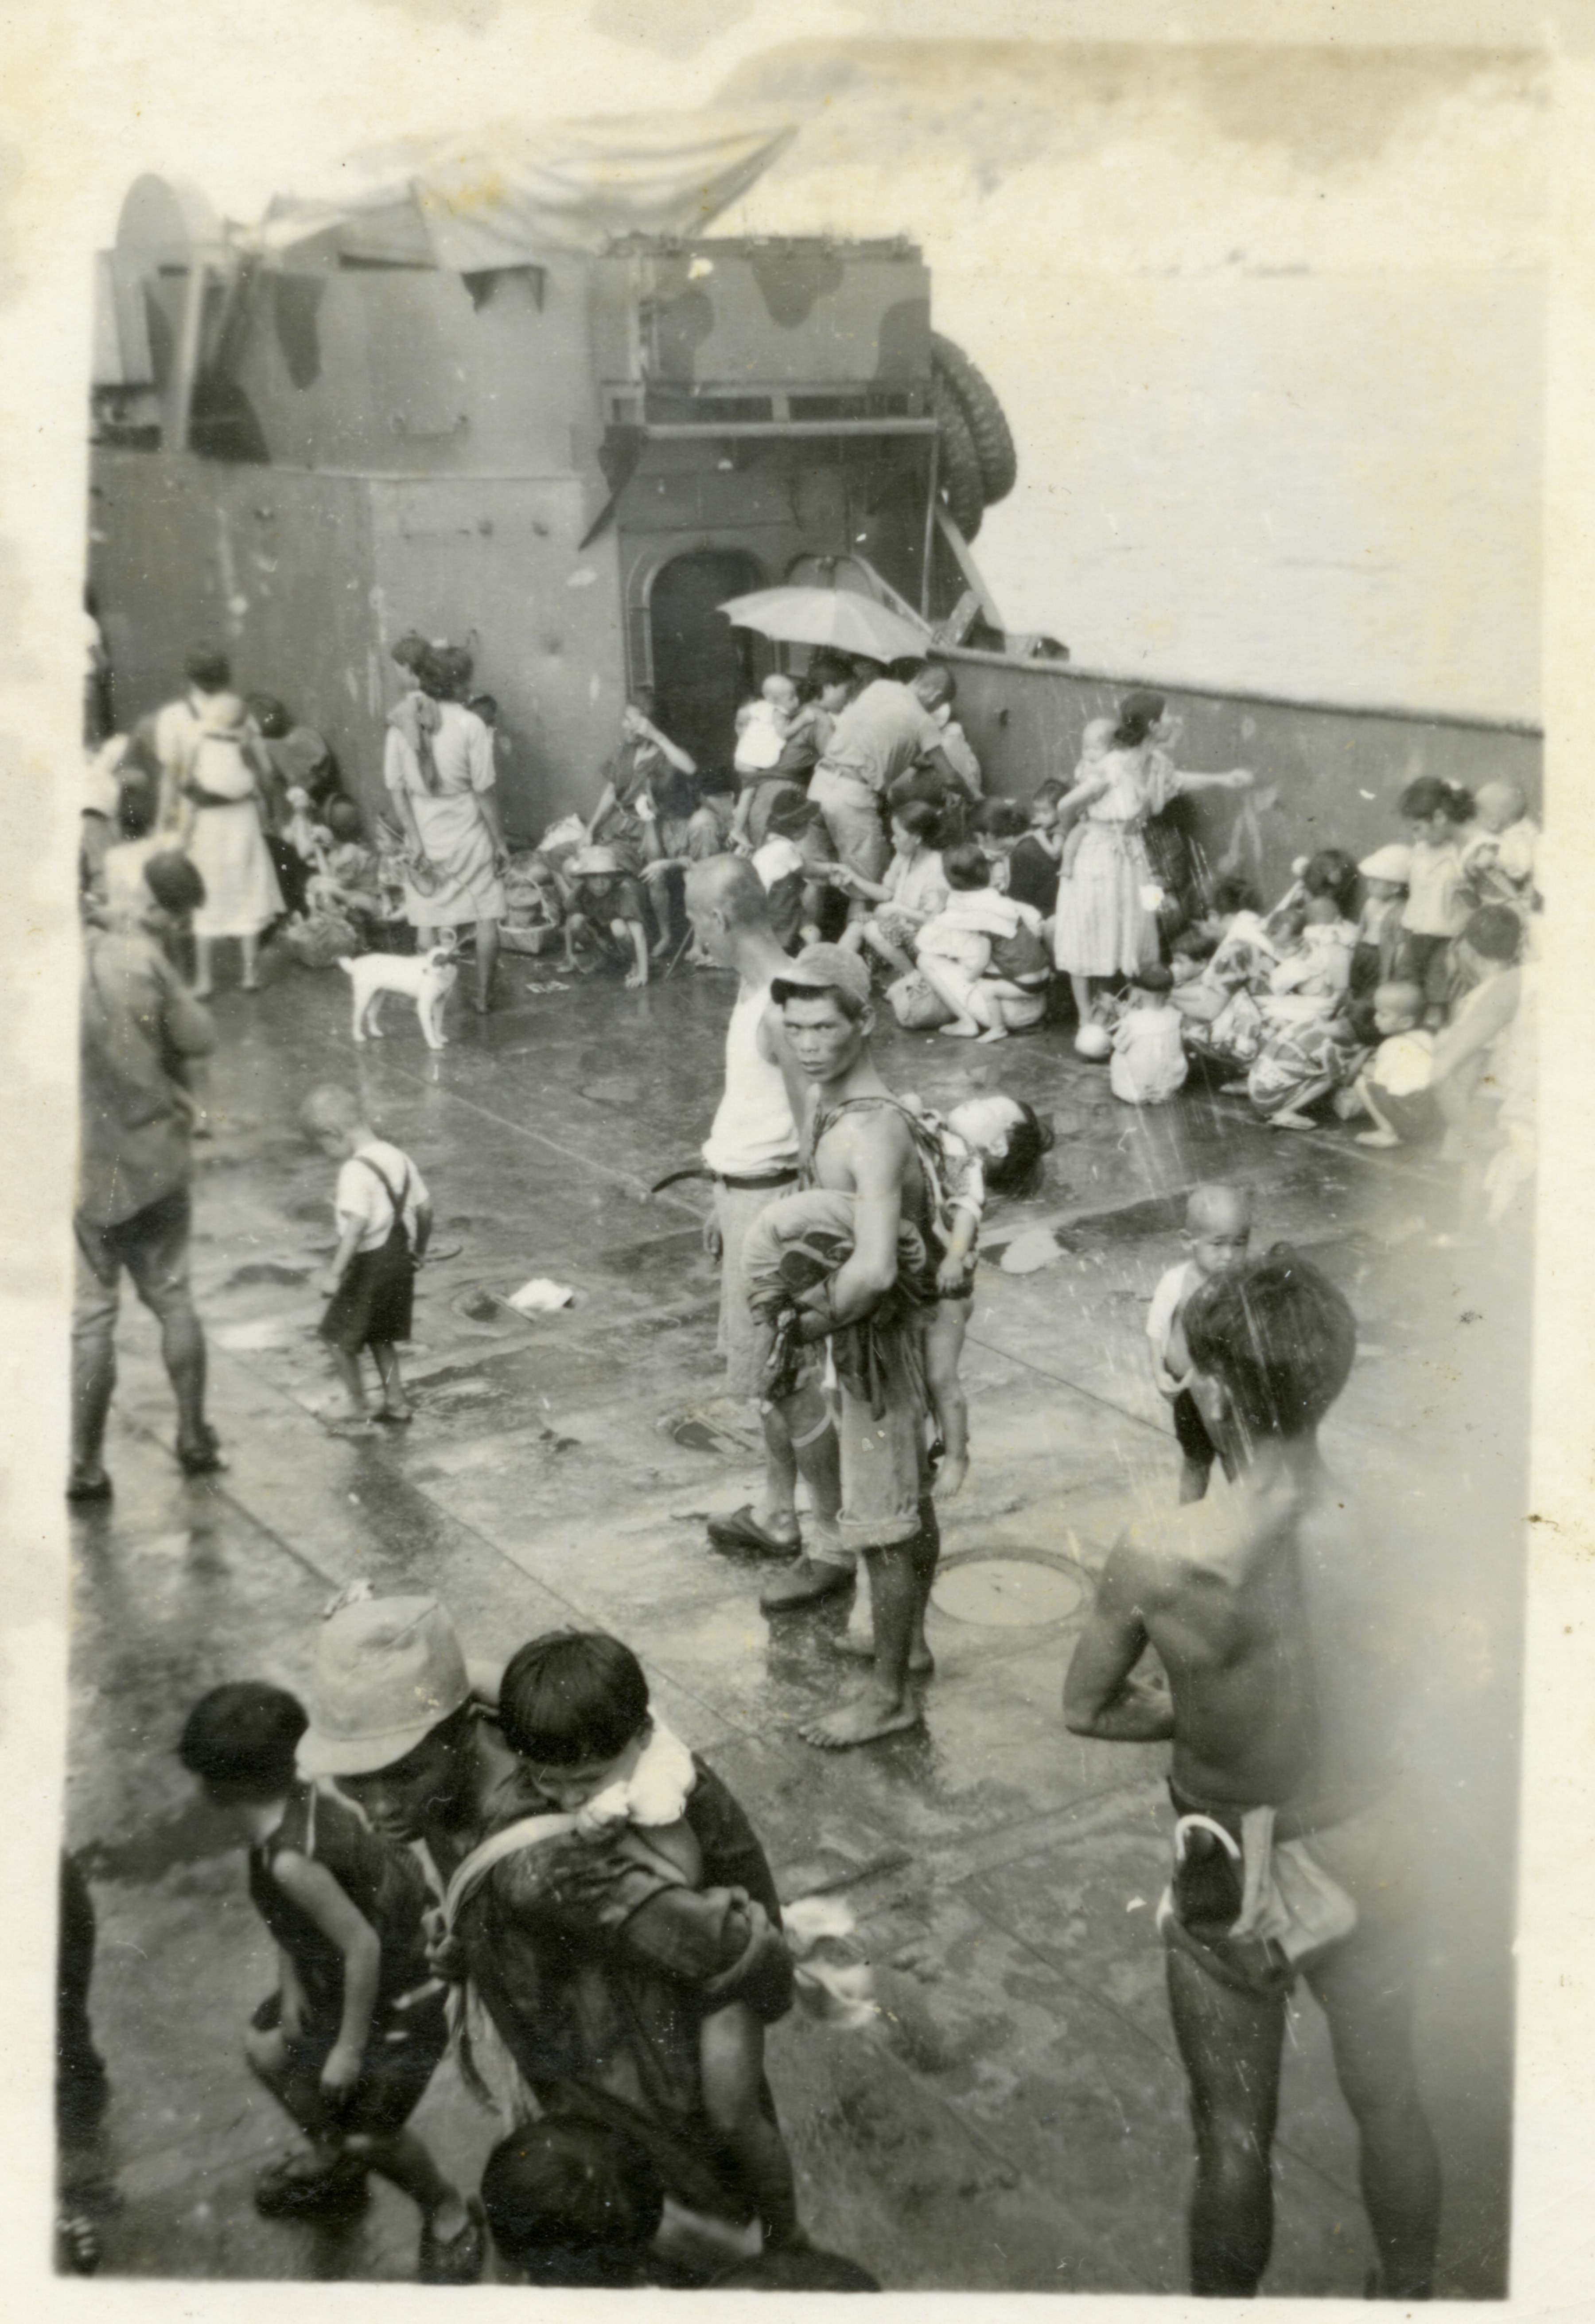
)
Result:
{"points": [[1376, 990]]}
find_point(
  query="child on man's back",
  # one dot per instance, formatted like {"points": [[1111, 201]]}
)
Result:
{"points": [[575, 1706], [1217, 1234], [347, 2043], [385, 1223]]}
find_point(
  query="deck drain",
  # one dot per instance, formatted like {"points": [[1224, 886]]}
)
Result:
{"points": [[1007, 1593]]}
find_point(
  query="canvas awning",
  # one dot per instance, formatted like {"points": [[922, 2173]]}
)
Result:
{"points": [[508, 195]]}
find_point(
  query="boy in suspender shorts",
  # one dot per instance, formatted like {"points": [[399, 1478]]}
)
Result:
{"points": [[384, 1221]]}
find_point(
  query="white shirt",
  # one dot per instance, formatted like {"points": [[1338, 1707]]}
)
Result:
{"points": [[1172, 1291], [777, 859], [362, 1195], [1404, 1062], [753, 1134]]}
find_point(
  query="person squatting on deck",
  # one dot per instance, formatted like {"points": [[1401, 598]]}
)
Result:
{"points": [[1269, 1607]]}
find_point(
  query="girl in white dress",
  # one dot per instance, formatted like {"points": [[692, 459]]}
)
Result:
{"points": [[219, 827], [1106, 927]]}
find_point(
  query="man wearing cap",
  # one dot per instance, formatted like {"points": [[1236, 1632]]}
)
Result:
{"points": [[859, 1139], [593, 1975], [752, 1153], [139, 1028], [881, 735]]}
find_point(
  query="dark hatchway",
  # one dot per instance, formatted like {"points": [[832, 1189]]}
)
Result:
{"points": [[702, 668]]}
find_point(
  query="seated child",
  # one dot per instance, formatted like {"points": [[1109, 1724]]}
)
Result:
{"points": [[572, 2203], [574, 1706], [913, 891], [1315, 946], [347, 2043], [605, 904], [385, 1223], [957, 953], [763, 726], [345, 881], [1148, 1064], [1033, 867], [1497, 859], [1379, 924], [1393, 1086], [1217, 1234]]}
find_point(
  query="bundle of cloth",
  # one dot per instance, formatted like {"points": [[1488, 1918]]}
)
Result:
{"points": [[795, 1249]]}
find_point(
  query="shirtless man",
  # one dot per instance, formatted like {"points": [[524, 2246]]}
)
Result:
{"points": [[1271, 1610], [752, 1153], [858, 1140]]}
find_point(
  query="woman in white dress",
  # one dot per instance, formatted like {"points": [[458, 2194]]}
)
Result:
{"points": [[440, 771], [1105, 925], [219, 827]]}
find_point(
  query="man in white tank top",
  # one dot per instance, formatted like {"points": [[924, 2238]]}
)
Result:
{"points": [[752, 1153]]}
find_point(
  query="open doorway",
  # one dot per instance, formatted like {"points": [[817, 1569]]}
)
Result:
{"points": [[702, 667]]}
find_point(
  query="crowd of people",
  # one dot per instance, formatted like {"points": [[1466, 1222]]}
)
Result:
{"points": [[520, 1864]]}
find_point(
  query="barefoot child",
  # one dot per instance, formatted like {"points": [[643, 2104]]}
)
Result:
{"points": [[1217, 1234], [574, 1706], [348, 2041], [385, 1223], [1393, 1087]]}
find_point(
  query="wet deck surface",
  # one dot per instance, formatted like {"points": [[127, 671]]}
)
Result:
{"points": [[1017, 2119]]}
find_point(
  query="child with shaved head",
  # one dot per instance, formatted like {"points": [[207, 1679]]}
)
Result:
{"points": [[1217, 1234]]}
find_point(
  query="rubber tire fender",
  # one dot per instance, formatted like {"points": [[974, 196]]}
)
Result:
{"points": [[987, 421], [959, 462]]}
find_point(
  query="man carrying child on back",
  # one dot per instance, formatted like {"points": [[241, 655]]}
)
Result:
{"points": [[589, 1975], [859, 1140]]}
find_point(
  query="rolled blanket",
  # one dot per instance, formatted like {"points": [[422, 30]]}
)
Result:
{"points": [[795, 1247]]}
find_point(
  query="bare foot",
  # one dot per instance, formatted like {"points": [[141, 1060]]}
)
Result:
{"points": [[861, 1722], [201, 992], [1233, 1088], [1377, 1138], [963, 1029], [859, 1647], [995, 1033], [1287, 1120], [636, 978], [950, 1476]]}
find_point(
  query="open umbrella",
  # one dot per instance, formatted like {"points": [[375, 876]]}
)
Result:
{"points": [[828, 617]]}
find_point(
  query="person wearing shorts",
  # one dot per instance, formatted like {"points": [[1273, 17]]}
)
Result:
{"points": [[859, 1141], [1273, 1610], [139, 1029], [752, 1157]]}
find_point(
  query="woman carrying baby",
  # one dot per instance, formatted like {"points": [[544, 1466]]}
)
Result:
{"points": [[440, 771]]}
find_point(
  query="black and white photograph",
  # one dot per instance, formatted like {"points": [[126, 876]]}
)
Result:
{"points": [[783, 1476]]}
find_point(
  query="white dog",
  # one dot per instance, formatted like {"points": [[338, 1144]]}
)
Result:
{"points": [[428, 977]]}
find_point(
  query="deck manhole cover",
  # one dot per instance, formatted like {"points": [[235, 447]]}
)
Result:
{"points": [[1007, 1593]]}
